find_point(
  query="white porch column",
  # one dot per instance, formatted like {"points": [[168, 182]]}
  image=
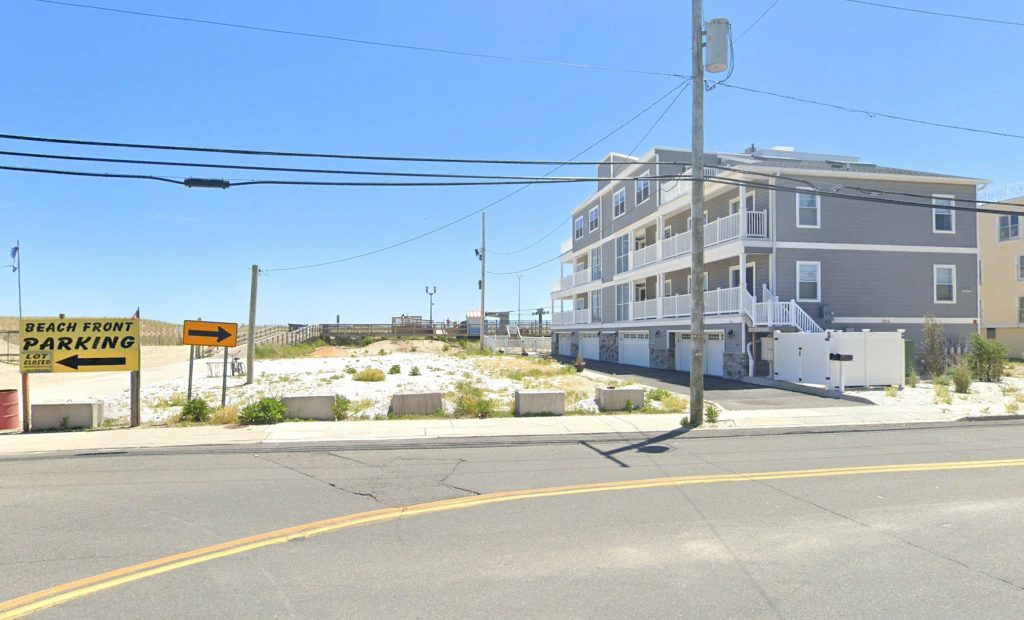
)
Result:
{"points": [[660, 295], [743, 211]]}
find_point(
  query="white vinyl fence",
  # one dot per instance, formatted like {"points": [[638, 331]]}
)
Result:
{"points": [[532, 344], [878, 358]]}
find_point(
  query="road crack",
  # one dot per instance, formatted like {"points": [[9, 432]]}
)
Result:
{"points": [[320, 480]]}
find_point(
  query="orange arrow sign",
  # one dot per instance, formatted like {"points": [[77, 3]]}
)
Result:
{"points": [[210, 334]]}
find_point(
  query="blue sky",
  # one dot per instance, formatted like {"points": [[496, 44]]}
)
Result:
{"points": [[103, 247]]}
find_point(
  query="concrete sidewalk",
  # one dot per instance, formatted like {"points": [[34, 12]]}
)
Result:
{"points": [[384, 430]]}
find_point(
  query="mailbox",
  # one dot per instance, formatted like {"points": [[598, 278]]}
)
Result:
{"points": [[840, 357]]}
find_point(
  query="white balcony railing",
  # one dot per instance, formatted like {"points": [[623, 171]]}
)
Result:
{"points": [[581, 277], [647, 309], [571, 317], [645, 256], [757, 224], [675, 306], [723, 229], [566, 282], [677, 245], [784, 314]]}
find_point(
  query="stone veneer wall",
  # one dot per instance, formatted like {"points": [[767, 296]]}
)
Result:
{"points": [[663, 358], [735, 365], [609, 347]]}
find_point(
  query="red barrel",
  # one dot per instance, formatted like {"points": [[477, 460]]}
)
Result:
{"points": [[9, 418]]}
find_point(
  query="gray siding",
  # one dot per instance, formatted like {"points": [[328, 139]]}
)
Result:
{"points": [[880, 284], [853, 221]]}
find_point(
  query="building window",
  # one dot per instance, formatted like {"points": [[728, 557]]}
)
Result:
{"points": [[808, 210], [643, 189], [622, 302], [595, 218], [595, 264], [990, 333], [689, 283], [942, 215], [667, 288], [595, 306], [1020, 309], [577, 228], [622, 254], [618, 203], [808, 281], [1009, 227], [945, 284]]}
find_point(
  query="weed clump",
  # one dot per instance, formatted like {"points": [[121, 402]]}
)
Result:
{"points": [[369, 374], [263, 411], [195, 411]]}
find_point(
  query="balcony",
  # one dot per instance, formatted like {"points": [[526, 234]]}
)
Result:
{"points": [[573, 279], [718, 301], [646, 309], [571, 317], [722, 230], [645, 256]]}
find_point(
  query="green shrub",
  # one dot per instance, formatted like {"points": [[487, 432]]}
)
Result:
{"points": [[195, 410], [941, 380], [369, 374], [395, 370], [414, 371], [933, 354], [382, 352], [470, 401], [913, 378], [263, 411], [987, 359], [350, 370], [711, 413], [658, 394], [341, 408], [961, 375]]}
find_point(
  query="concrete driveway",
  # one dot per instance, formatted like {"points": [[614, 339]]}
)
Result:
{"points": [[732, 395]]}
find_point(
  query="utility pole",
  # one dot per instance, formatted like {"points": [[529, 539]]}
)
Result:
{"points": [[483, 276], [250, 343], [431, 294], [26, 407], [717, 40], [519, 302], [697, 204]]}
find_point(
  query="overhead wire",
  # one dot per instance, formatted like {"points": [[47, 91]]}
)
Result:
{"points": [[871, 113], [907, 9], [355, 41]]}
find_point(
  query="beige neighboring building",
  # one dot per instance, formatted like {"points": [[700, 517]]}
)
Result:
{"points": [[1001, 251]]}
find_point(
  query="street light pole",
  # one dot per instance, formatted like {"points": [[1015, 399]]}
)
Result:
{"points": [[431, 294]]}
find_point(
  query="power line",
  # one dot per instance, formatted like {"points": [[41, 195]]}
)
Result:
{"points": [[402, 46], [266, 153], [758, 20], [972, 18], [658, 120], [844, 108], [104, 175], [147, 162], [518, 271]]}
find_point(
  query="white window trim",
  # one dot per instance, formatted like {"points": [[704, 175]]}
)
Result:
{"points": [[577, 228], [636, 184], [817, 287], [736, 268], [935, 283], [1010, 238], [621, 190], [952, 213], [817, 207], [590, 220], [734, 201], [1017, 267]]}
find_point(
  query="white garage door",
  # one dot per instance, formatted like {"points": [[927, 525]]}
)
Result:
{"points": [[590, 346], [634, 348], [565, 344], [714, 353]]}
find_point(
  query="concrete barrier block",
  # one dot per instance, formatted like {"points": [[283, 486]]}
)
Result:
{"points": [[419, 403], [309, 407], [617, 399], [78, 415], [539, 402]]}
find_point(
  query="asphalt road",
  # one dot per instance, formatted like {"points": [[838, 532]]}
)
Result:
{"points": [[733, 395], [901, 542]]}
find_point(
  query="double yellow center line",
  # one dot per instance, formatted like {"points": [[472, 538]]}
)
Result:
{"points": [[57, 595]]}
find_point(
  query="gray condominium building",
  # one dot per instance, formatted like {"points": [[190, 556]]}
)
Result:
{"points": [[793, 242]]}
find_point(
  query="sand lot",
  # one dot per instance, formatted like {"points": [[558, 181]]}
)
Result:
{"points": [[328, 370]]}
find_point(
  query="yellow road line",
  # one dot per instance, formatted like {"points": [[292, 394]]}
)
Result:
{"points": [[57, 595]]}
